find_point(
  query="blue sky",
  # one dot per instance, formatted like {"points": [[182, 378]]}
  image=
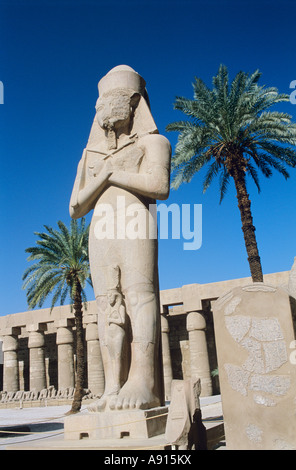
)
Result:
{"points": [[53, 53]]}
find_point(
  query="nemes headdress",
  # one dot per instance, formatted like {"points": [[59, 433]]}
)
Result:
{"points": [[124, 77]]}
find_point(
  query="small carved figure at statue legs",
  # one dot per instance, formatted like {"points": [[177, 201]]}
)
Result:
{"points": [[139, 391]]}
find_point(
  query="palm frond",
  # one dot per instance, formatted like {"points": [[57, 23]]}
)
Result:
{"points": [[213, 171], [233, 118], [60, 259], [224, 182]]}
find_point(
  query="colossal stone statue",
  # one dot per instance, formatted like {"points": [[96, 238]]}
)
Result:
{"points": [[292, 280], [124, 168]]}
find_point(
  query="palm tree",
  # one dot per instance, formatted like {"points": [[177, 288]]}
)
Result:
{"points": [[61, 269], [231, 129]]}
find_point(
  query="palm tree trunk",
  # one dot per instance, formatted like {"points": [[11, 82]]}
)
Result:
{"points": [[244, 205], [78, 395]]}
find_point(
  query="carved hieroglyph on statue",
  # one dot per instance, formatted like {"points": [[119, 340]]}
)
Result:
{"points": [[124, 167]]}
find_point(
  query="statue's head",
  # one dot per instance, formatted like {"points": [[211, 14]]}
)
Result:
{"points": [[114, 296], [119, 93], [115, 108], [123, 104]]}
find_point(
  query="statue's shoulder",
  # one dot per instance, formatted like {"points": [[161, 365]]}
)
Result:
{"points": [[153, 140]]}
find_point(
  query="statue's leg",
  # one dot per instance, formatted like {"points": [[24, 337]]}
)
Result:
{"points": [[140, 287], [115, 345], [101, 257], [140, 390]]}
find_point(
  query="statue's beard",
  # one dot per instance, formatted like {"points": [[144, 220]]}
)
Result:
{"points": [[112, 126], [112, 138]]}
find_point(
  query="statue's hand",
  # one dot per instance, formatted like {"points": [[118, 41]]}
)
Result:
{"points": [[106, 171]]}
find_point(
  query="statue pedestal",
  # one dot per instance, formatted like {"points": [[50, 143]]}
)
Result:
{"points": [[116, 424]]}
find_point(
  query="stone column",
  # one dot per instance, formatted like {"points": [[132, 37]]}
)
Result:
{"points": [[199, 359], [166, 357], [65, 341], [95, 370], [37, 358], [10, 369]]}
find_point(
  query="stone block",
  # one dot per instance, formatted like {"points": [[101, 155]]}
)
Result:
{"points": [[191, 297], [254, 332], [135, 424], [184, 426]]}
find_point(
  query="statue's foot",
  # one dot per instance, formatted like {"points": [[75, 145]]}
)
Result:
{"points": [[134, 395], [102, 403], [98, 405]]}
